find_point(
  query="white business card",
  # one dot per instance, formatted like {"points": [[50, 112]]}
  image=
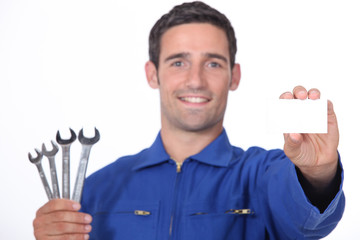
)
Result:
{"points": [[297, 116]]}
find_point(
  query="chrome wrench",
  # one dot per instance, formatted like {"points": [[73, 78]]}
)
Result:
{"points": [[51, 156], [86, 143], [37, 161], [65, 146]]}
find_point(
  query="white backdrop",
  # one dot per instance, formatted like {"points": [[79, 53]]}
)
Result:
{"points": [[77, 64]]}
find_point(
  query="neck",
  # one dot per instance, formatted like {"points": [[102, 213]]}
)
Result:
{"points": [[180, 144]]}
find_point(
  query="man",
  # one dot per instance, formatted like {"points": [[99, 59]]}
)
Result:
{"points": [[191, 183]]}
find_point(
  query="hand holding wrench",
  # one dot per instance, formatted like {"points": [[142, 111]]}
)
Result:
{"points": [[84, 158], [65, 146], [37, 162], [51, 156]]}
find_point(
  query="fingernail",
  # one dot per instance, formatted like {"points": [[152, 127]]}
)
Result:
{"points": [[76, 206], [302, 93], [87, 227], [87, 218], [86, 236]]}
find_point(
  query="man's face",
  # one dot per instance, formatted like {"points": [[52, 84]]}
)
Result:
{"points": [[194, 77]]}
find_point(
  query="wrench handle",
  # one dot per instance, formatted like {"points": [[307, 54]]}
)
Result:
{"points": [[44, 181], [80, 177], [54, 179], [66, 171]]}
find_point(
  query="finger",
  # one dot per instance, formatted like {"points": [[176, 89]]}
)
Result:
{"points": [[300, 93], [67, 228], [58, 205], [286, 95], [61, 228], [62, 216], [70, 237], [78, 234], [314, 94]]}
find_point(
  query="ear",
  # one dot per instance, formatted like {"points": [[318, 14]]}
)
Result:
{"points": [[151, 75], [235, 77]]}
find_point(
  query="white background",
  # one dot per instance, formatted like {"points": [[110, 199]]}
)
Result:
{"points": [[80, 64]]}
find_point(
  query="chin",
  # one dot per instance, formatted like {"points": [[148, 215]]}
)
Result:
{"points": [[199, 127]]}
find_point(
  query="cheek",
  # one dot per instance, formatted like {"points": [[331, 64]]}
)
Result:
{"points": [[169, 83], [220, 86]]}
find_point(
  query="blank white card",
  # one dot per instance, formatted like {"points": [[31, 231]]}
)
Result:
{"points": [[297, 116]]}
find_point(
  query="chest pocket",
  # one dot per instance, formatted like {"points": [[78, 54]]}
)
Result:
{"points": [[126, 221], [233, 219]]}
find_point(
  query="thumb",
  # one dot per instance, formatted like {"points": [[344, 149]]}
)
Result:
{"points": [[292, 144], [330, 108]]}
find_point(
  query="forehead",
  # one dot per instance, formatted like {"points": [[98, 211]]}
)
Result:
{"points": [[194, 38]]}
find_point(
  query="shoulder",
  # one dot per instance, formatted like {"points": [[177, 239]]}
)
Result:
{"points": [[107, 180], [258, 157], [256, 152], [119, 167]]}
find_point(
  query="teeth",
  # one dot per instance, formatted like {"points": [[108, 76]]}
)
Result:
{"points": [[194, 99]]}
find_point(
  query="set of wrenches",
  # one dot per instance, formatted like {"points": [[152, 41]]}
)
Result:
{"points": [[65, 144]]}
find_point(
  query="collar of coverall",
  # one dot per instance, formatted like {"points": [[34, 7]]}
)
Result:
{"points": [[218, 153]]}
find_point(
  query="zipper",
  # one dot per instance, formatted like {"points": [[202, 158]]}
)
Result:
{"points": [[173, 210], [178, 167]]}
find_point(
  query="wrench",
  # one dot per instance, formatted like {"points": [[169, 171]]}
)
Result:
{"points": [[65, 146], [51, 156], [37, 161], [86, 143]]}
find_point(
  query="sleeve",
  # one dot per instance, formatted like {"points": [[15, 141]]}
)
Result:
{"points": [[288, 212], [321, 199]]}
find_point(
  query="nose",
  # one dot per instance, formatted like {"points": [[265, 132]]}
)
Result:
{"points": [[196, 79]]}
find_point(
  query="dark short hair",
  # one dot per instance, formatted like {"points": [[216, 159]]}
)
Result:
{"points": [[193, 12]]}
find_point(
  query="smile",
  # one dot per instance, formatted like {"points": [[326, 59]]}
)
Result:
{"points": [[194, 99]]}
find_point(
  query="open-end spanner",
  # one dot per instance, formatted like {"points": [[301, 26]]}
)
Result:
{"points": [[37, 161], [51, 156], [65, 146], [86, 143]]}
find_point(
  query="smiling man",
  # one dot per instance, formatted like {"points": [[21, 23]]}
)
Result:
{"points": [[194, 77], [192, 183]]}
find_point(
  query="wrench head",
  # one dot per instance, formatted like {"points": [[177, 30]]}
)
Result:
{"points": [[51, 152], [66, 141], [37, 158], [89, 141]]}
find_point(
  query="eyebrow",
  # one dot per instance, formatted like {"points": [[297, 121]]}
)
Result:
{"points": [[177, 55], [186, 55], [215, 55]]}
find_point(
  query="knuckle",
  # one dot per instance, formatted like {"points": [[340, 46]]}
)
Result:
{"points": [[59, 216], [61, 227], [53, 205], [36, 234], [39, 222], [36, 223], [39, 234]]}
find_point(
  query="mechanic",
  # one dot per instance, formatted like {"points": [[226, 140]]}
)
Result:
{"points": [[192, 183]]}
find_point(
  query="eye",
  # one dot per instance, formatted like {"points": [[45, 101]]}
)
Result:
{"points": [[177, 64], [214, 65]]}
